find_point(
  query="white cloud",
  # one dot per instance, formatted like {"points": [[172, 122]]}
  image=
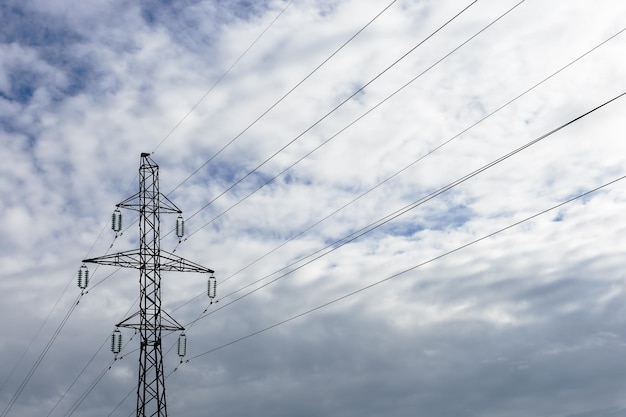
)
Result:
{"points": [[525, 323]]}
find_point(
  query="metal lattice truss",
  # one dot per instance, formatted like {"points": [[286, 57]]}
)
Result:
{"points": [[150, 320]]}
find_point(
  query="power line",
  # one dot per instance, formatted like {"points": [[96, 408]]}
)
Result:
{"points": [[372, 226], [57, 331], [459, 248], [332, 111], [40, 358], [45, 321], [92, 386], [105, 342], [53, 338], [441, 145]]}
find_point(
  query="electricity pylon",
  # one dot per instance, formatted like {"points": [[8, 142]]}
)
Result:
{"points": [[150, 320]]}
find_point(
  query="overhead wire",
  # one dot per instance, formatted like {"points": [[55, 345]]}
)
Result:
{"points": [[354, 121], [48, 345], [45, 321], [402, 211], [562, 69], [393, 175], [302, 262], [55, 334], [398, 274], [284, 96], [215, 84], [342, 130], [430, 152], [92, 386], [39, 359], [84, 369]]}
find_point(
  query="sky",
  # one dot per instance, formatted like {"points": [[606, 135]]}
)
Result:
{"points": [[392, 195]]}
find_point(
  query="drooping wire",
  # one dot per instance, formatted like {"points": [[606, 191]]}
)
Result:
{"points": [[56, 333], [412, 268], [92, 386], [441, 145], [40, 358], [411, 164], [45, 321], [219, 80], [360, 89], [84, 395], [296, 265], [284, 96], [438, 147]]}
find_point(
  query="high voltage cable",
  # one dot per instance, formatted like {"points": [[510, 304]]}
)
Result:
{"points": [[19, 361], [89, 363], [51, 341], [406, 209], [268, 110], [57, 331], [356, 120], [441, 145], [343, 297], [120, 403], [411, 164], [219, 80], [284, 96], [40, 358], [92, 386], [223, 76], [372, 226], [360, 89], [171, 132], [43, 353]]}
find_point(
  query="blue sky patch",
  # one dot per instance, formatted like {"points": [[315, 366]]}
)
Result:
{"points": [[54, 43]]}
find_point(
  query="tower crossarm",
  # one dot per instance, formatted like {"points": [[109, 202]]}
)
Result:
{"points": [[171, 262], [167, 262], [127, 259], [165, 204]]}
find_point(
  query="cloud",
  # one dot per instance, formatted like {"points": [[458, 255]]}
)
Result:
{"points": [[525, 323]]}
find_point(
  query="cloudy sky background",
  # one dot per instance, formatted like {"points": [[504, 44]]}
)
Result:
{"points": [[527, 323]]}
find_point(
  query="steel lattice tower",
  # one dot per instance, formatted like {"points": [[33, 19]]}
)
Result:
{"points": [[150, 320]]}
